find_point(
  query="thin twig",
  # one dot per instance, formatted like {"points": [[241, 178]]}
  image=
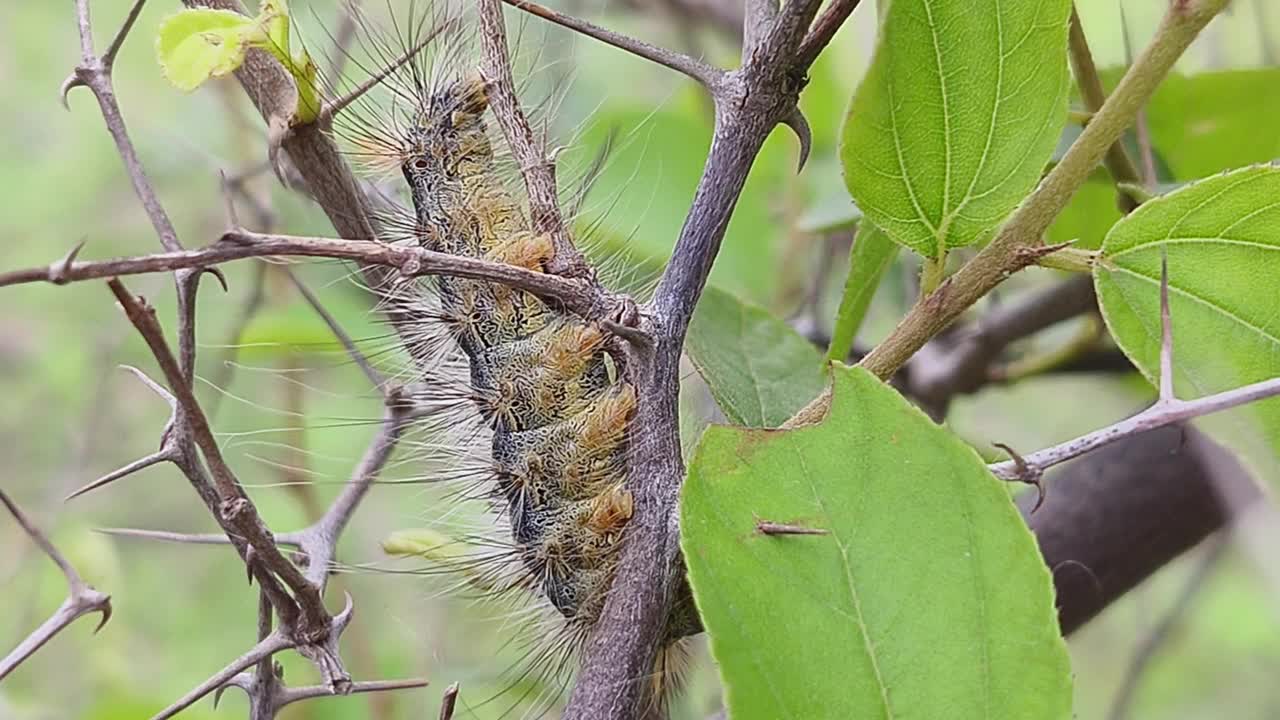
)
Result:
{"points": [[233, 510], [1163, 630], [1167, 408], [536, 167], [824, 29], [706, 75], [1117, 161], [95, 73], [581, 297], [81, 598]]}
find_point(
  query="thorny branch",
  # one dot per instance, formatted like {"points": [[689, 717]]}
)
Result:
{"points": [[1166, 410], [409, 262], [305, 624], [81, 598], [750, 102]]}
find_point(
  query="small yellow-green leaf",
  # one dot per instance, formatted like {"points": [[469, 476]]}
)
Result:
{"points": [[924, 598], [195, 45], [273, 17]]}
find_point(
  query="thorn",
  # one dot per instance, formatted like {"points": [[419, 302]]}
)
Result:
{"points": [[228, 202], [1166, 332], [448, 701], [58, 271], [1026, 474], [239, 681], [124, 471], [155, 387], [765, 527], [106, 614], [217, 273], [73, 80], [633, 335], [249, 560], [797, 122], [342, 619]]}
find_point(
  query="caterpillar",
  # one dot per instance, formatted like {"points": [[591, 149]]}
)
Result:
{"points": [[547, 384]]}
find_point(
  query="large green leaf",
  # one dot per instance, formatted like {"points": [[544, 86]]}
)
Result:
{"points": [[1222, 238], [760, 371], [927, 599], [957, 116]]}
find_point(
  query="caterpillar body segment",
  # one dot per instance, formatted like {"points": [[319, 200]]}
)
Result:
{"points": [[554, 407]]}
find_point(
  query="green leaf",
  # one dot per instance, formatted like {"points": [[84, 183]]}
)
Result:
{"points": [[195, 45], [1203, 123], [871, 255], [760, 371], [957, 116], [927, 599], [1222, 238]]}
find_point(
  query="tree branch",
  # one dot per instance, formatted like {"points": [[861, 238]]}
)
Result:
{"points": [[1117, 161], [81, 598], [577, 295]]}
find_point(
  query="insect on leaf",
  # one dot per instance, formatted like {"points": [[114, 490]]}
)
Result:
{"points": [[957, 116], [195, 45], [925, 597]]}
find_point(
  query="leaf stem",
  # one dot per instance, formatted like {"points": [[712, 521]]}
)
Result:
{"points": [[932, 273]]}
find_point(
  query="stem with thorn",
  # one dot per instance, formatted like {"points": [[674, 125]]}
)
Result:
{"points": [[81, 599]]}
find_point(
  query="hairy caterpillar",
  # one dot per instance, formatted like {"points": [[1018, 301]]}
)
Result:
{"points": [[549, 391]]}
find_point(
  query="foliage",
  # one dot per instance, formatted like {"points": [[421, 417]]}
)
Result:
{"points": [[955, 119], [924, 596], [889, 482], [1221, 239], [198, 44]]}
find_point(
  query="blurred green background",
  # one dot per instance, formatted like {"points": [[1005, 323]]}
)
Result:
{"points": [[294, 413]]}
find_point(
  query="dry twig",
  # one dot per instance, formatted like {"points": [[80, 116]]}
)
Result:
{"points": [[81, 598]]}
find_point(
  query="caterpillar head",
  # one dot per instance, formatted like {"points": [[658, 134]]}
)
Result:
{"points": [[447, 143]]}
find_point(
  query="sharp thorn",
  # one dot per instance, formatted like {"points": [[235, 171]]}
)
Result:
{"points": [[797, 122]]}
